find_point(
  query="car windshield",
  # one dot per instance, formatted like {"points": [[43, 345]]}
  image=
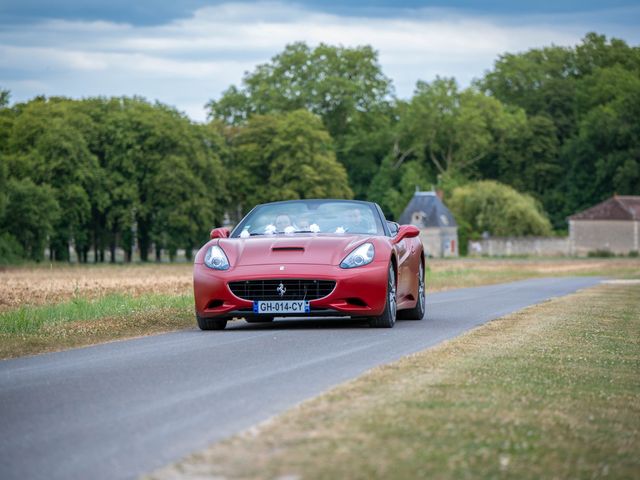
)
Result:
{"points": [[310, 216]]}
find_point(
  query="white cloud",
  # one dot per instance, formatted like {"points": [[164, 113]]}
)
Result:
{"points": [[189, 61]]}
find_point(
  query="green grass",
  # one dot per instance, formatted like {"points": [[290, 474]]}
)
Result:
{"points": [[549, 392], [27, 319], [80, 322]]}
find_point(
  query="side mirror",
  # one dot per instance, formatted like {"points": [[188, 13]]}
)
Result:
{"points": [[406, 231], [393, 228], [221, 232]]}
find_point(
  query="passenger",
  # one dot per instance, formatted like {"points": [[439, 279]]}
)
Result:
{"points": [[282, 221], [303, 223]]}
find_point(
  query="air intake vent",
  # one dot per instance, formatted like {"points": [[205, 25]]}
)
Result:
{"points": [[288, 249], [293, 289]]}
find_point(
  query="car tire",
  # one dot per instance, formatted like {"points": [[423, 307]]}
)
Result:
{"points": [[417, 312], [211, 323], [388, 317]]}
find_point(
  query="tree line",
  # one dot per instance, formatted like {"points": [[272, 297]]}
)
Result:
{"points": [[546, 132]]}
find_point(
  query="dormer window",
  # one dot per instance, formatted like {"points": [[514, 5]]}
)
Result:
{"points": [[417, 218]]}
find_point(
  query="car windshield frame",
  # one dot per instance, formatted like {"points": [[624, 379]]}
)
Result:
{"points": [[360, 218]]}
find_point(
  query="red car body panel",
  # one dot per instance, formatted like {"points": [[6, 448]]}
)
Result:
{"points": [[359, 291]]}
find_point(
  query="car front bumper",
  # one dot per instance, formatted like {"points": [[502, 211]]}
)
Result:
{"points": [[360, 291]]}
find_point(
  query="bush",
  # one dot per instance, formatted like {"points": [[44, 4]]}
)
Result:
{"points": [[634, 254], [601, 253], [498, 209]]}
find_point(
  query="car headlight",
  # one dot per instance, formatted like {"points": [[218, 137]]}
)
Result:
{"points": [[216, 259], [359, 257]]}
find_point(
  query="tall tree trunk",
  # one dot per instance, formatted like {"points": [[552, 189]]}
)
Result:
{"points": [[95, 246], [127, 237], [112, 245], [144, 241], [158, 253]]}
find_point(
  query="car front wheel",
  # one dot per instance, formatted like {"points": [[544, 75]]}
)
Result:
{"points": [[388, 317]]}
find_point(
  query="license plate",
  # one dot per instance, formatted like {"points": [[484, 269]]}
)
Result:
{"points": [[281, 306]]}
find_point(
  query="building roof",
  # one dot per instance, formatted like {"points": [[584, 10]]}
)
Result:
{"points": [[615, 208], [427, 210]]}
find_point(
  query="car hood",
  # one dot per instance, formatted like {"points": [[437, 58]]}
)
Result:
{"points": [[299, 249]]}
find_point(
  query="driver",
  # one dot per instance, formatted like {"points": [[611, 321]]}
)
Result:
{"points": [[303, 223], [356, 222]]}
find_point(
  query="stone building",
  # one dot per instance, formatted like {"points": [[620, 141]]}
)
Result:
{"points": [[438, 228], [612, 225]]}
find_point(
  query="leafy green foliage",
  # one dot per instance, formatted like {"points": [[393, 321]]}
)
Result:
{"points": [[590, 93], [345, 87], [498, 209], [557, 123], [293, 156], [5, 96], [446, 136], [11, 251], [31, 214], [115, 170]]}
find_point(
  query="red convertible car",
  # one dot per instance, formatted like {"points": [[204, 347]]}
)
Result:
{"points": [[311, 258]]}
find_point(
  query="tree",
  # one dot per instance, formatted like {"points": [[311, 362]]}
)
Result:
{"points": [[608, 145], [5, 97], [179, 188], [392, 187], [498, 209], [285, 156], [119, 169], [451, 129], [345, 87], [46, 146], [577, 94], [548, 80], [31, 215]]}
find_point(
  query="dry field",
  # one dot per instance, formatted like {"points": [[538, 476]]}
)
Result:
{"points": [[44, 285], [553, 266], [445, 274]]}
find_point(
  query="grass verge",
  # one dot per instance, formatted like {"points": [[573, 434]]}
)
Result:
{"points": [[52, 308], [549, 392], [445, 274], [28, 330]]}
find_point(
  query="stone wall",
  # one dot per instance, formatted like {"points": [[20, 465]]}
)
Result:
{"points": [[506, 246]]}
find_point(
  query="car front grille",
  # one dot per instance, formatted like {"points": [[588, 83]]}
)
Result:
{"points": [[291, 289]]}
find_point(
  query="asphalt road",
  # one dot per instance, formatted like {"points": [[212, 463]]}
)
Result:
{"points": [[122, 409]]}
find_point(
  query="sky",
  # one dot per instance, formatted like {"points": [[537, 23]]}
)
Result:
{"points": [[185, 53]]}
